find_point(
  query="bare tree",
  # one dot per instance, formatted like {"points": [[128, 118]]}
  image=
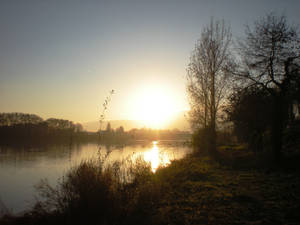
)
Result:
{"points": [[208, 77], [270, 59]]}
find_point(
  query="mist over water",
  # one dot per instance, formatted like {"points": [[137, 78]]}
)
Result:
{"points": [[21, 169]]}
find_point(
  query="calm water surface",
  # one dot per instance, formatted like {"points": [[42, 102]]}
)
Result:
{"points": [[21, 169]]}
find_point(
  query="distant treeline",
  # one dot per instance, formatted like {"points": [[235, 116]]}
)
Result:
{"points": [[30, 129], [21, 128]]}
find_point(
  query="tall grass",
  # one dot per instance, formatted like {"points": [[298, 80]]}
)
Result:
{"points": [[98, 193]]}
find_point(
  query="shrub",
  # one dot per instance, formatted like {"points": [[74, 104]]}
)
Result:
{"points": [[95, 192]]}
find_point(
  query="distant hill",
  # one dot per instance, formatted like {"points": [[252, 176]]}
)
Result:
{"points": [[179, 122]]}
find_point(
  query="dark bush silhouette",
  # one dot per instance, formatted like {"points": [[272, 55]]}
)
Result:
{"points": [[250, 111], [98, 193]]}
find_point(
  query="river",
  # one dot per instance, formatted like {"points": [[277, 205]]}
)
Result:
{"points": [[21, 169]]}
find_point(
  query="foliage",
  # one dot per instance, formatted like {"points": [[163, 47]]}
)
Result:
{"points": [[249, 109]]}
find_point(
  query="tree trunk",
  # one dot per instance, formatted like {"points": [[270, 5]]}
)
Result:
{"points": [[213, 116], [205, 112]]}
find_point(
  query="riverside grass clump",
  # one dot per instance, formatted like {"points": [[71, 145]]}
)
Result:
{"points": [[95, 192]]}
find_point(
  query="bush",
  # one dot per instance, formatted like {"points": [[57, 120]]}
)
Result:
{"points": [[99, 193]]}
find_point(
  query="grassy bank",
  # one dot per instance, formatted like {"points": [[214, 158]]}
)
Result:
{"points": [[194, 190], [205, 192]]}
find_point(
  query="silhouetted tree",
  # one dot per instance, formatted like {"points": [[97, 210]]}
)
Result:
{"points": [[208, 78], [270, 59]]}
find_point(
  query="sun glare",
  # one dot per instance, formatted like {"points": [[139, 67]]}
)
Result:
{"points": [[154, 106]]}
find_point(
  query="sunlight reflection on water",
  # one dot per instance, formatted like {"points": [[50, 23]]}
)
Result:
{"points": [[156, 157]]}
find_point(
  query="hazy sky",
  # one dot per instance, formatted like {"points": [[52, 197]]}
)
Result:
{"points": [[61, 58]]}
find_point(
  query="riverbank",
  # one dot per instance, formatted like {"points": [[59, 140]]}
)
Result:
{"points": [[205, 192], [193, 190]]}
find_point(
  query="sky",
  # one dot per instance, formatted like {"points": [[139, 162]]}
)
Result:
{"points": [[61, 58]]}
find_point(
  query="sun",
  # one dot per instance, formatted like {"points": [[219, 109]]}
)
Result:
{"points": [[154, 106]]}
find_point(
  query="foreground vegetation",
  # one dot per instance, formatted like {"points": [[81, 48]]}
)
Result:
{"points": [[194, 190]]}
